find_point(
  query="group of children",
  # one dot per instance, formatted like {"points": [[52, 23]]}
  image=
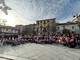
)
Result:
{"points": [[66, 40]]}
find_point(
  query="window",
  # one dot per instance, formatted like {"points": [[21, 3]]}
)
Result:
{"points": [[41, 21], [57, 27], [6, 29], [37, 29], [78, 25], [41, 27], [37, 22], [48, 21], [72, 27], [63, 27], [48, 27], [44, 22]]}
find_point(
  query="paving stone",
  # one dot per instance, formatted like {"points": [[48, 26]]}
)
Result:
{"points": [[32, 51]]}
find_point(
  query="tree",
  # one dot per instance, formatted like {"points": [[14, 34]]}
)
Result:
{"points": [[79, 27], [0, 30], [66, 31]]}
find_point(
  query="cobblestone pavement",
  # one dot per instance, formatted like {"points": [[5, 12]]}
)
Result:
{"points": [[32, 51]]}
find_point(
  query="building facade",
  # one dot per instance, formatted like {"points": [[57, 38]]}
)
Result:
{"points": [[42, 27], [29, 29], [19, 28], [8, 30], [71, 27], [50, 27], [45, 27]]}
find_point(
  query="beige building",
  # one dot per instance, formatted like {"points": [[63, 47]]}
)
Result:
{"points": [[42, 27], [45, 27]]}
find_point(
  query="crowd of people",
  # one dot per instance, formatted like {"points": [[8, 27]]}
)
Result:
{"points": [[69, 40]]}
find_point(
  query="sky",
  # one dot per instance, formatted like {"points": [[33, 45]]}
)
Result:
{"points": [[29, 11]]}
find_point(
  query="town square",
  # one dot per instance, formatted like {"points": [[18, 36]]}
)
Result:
{"points": [[39, 29]]}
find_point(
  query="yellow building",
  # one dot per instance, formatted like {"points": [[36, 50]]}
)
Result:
{"points": [[45, 27]]}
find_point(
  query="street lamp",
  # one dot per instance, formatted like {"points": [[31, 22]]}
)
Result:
{"points": [[4, 21]]}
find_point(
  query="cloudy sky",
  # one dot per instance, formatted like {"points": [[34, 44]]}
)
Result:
{"points": [[28, 11]]}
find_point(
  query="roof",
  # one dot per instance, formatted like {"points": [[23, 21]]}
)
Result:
{"points": [[8, 27], [31, 25], [66, 23], [19, 25], [46, 19]]}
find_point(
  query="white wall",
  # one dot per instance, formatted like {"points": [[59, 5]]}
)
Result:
{"points": [[9, 30], [76, 28]]}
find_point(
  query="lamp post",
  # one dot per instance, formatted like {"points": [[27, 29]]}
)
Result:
{"points": [[4, 21]]}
